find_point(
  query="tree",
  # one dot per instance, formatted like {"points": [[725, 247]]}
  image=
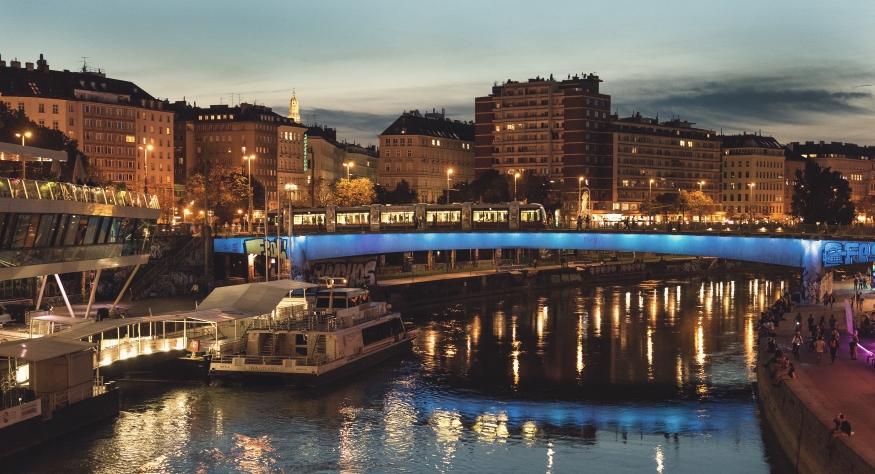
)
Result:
{"points": [[15, 121], [699, 203], [667, 203], [358, 192], [227, 192], [821, 195], [402, 194]]}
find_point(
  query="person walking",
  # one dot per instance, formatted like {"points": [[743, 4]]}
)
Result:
{"points": [[811, 324], [834, 346], [819, 347], [854, 340], [797, 342], [832, 300], [579, 222]]}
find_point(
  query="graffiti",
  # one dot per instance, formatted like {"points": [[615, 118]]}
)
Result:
{"points": [[271, 247], [843, 253], [624, 268], [358, 272]]}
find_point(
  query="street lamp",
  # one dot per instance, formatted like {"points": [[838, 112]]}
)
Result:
{"points": [[348, 167], [515, 176], [579, 195], [146, 151], [650, 194], [449, 172], [249, 188], [23, 135], [700, 185], [292, 189]]}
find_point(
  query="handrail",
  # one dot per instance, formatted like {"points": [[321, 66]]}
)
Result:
{"points": [[50, 190]]}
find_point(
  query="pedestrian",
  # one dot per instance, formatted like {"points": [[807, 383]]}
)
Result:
{"points": [[819, 347], [832, 300], [842, 428], [798, 321], [856, 280], [860, 300], [579, 222], [832, 322], [586, 220], [797, 342], [833, 346], [854, 340], [811, 324], [825, 299]]}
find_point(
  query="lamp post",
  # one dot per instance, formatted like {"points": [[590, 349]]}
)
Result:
{"points": [[751, 205], [23, 135], [292, 189], [515, 176], [146, 151], [348, 167], [249, 188], [579, 195], [700, 185], [650, 192], [449, 172]]}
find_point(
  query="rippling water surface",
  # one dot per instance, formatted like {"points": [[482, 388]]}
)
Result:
{"points": [[648, 378]]}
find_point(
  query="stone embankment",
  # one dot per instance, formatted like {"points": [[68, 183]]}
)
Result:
{"points": [[800, 411]]}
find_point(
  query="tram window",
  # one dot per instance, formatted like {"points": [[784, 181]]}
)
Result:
{"points": [[19, 234], [91, 231], [44, 231]]}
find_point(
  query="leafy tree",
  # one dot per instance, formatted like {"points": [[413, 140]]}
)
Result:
{"points": [[358, 192], [227, 192], [699, 203], [402, 194], [667, 203], [821, 195]]}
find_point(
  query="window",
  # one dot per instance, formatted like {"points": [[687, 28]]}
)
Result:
{"points": [[55, 109], [409, 153], [42, 108], [55, 125]]}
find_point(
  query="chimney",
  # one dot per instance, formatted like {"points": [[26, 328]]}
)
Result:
{"points": [[42, 65], [29, 66], [15, 64]]}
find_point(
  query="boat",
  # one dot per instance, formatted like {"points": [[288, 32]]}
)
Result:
{"points": [[315, 342]]}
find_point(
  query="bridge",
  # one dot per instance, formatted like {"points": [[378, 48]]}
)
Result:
{"points": [[810, 250]]}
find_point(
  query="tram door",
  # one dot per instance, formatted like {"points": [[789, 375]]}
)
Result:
{"points": [[330, 219], [466, 215], [513, 217], [421, 215], [375, 217]]}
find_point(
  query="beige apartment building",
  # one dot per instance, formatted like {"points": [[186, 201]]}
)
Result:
{"points": [[653, 158], [124, 131], [428, 151], [754, 181]]}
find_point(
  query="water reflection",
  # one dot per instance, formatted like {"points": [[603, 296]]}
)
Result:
{"points": [[653, 377]]}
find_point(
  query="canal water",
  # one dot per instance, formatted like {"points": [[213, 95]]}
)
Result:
{"points": [[654, 377]]}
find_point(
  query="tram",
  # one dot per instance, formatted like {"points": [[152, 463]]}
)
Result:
{"points": [[415, 217]]}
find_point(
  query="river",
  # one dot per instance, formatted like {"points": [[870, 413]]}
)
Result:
{"points": [[654, 377]]}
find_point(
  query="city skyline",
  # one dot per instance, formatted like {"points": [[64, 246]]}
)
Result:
{"points": [[797, 71]]}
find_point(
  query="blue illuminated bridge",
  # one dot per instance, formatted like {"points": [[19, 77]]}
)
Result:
{"points": [[811, 252]]}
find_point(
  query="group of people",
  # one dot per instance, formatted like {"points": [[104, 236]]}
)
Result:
{"points": [[862, 282]]}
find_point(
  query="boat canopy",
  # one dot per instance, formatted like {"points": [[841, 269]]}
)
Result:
{"points": [[43, 348], [252, 298]]}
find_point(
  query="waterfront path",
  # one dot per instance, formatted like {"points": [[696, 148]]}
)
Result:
{"points": [[847, 386]]}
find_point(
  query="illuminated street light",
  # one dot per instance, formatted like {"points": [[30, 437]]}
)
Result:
{"points": [[650, 196], [146, 151], [23, 135], [249, 187], [449, 172], [700, 185], [348, 167], [292, 189], [515, 176]]}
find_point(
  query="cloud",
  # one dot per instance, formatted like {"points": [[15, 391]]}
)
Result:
{"points": [[354, 127]]}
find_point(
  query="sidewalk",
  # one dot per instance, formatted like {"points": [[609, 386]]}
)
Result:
{"points": [[847, 386]]}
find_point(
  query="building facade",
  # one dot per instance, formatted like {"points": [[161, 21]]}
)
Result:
{"points": [[652, 158], [753, 184], [557, 129], [428, 151], [124, 131], [224, 135]]}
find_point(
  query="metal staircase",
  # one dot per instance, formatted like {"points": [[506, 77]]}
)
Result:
{"points": [[268, 347]]}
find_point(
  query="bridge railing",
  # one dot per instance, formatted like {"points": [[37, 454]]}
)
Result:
{"points": [[50, 190]]}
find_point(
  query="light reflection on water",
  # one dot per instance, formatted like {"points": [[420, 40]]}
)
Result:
{"points": [[651, 378]]}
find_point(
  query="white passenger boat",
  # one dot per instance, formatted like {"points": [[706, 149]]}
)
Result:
{"points": [[313, 343]]}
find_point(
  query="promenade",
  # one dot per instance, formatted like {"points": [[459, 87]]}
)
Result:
{"points": [[846, 386]]}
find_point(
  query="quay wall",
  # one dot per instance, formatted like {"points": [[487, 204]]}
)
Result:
{"points": [[801, 432]]}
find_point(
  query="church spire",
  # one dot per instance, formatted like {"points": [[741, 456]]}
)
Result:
{"points": [[294, 112]]}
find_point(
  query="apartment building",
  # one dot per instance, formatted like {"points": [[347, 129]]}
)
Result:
{"points": [[652, 158], [753, 183], [224, 135], [124, 131], [428, 151], [554, 128]]}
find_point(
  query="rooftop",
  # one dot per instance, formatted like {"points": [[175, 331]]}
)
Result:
{"points": [[433, 124]]}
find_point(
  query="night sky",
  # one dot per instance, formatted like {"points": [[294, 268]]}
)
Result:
{"points": [[797, 70]]}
